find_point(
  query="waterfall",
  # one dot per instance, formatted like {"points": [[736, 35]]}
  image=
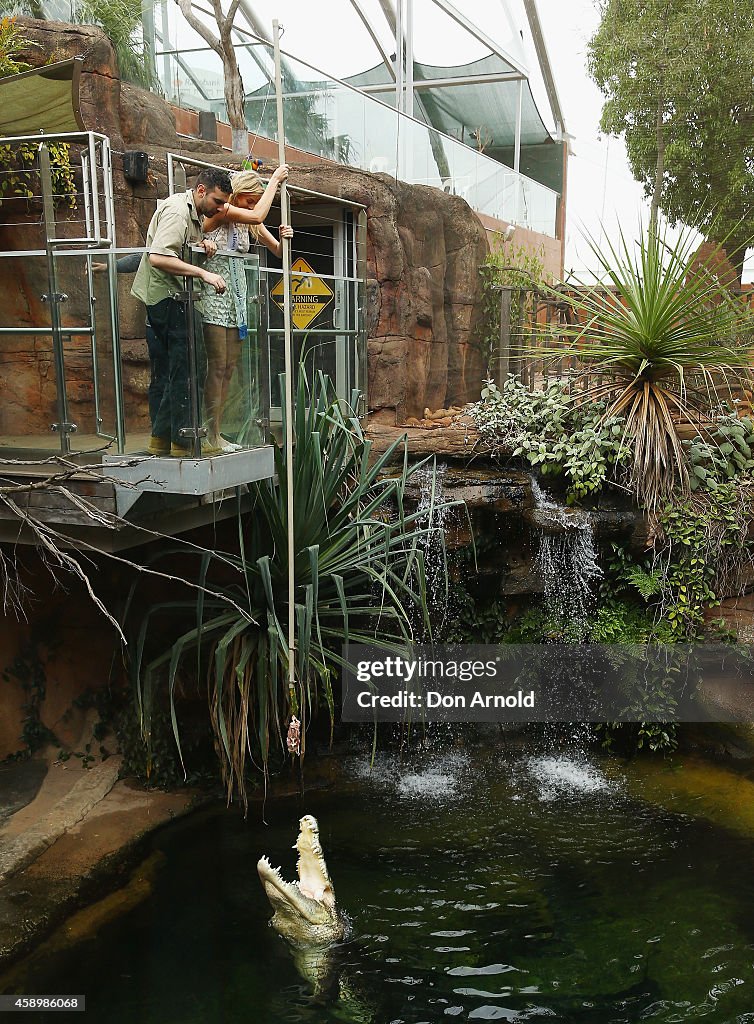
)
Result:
{"points": [[567, 558], [434, 516]]}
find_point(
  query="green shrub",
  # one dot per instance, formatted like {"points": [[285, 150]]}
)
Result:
{"points": [[553, 432], [615, 622], [702, 552], [727, 455]]}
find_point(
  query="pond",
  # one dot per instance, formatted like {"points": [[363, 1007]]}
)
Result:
{"points": [[513, 886]]}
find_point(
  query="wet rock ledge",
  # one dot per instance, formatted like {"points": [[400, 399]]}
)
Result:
{"points": [[74, 840]]}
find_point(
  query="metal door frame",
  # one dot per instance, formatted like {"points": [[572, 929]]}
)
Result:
{"points": [[348, 300]]}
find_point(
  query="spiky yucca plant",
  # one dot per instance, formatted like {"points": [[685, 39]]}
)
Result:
{"points": [[660, 341], [359, 578]]}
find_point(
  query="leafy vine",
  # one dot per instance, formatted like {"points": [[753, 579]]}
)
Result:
{"points": [[554, 433]]}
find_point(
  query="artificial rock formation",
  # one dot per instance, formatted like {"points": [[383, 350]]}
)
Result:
{"points": [[423, 252]]}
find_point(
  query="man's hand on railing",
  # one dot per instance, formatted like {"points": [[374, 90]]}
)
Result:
{"points": [[209, 246], [214, 281]]}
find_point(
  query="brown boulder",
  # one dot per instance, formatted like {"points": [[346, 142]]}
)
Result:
{"points": [[737, 614], [146, 119]]}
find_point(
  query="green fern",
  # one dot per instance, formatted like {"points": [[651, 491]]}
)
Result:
{"points": [[648, 584]]}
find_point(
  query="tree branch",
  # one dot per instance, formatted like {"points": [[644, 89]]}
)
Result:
{"points": [[223, 46], [52, 543], [199, 26], [232, 12]]}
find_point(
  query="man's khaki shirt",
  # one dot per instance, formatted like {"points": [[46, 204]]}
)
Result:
{"points": [[174, 226]]}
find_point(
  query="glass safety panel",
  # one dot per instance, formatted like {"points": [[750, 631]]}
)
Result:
{"points": [[243, 413], [223, 411], [90, 359], [58, 359], [27, 365]]}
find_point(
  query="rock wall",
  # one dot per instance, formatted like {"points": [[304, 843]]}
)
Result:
{"points": [[423, 252], [44, 672]]}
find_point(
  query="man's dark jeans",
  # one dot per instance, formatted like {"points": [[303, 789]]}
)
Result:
{"points": [[167, 340]]}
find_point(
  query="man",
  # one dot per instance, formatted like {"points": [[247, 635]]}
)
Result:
{"points": [[175, 226]]}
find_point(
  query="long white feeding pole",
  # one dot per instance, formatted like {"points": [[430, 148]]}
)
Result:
{"points": [[285, 219]]}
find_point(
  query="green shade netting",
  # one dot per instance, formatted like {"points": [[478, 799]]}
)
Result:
{"points": [[458, 110], [45, 99]]}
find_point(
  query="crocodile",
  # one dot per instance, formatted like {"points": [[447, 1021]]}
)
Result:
{"points": [[308, 917], [306, 914]]}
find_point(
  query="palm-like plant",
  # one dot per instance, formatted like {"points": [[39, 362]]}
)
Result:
{"points": [[661, 339], [359, 578]]}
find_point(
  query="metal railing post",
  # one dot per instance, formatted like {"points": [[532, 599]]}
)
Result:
{"points": [[195, 431], [289, 432], [54, 298], [501, 362], [362, 377]]}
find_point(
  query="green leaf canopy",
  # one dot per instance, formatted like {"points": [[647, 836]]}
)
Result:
{"points": [[677, 79]]}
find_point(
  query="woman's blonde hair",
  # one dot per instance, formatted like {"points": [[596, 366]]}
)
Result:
{"points": [[246, 181]]}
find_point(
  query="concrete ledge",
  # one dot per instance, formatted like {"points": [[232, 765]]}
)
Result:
{"points": [[20, 848]]}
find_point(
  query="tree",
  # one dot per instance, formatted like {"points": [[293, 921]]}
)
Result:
{"points": [[306, 127], [222, 44], [677, 79]]}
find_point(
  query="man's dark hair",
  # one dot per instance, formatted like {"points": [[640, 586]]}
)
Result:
{"points": [[213, 177]]}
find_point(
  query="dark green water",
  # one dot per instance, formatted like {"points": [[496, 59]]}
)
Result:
{"points": [[513, 889]]}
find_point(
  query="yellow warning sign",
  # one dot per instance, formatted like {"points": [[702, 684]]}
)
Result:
{"points": [[309, 294]]}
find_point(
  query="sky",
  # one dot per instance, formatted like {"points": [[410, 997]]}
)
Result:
{"points": [[603, 196]]}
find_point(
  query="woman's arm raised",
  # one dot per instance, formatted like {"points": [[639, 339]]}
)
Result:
{"points": [[255, 216]]}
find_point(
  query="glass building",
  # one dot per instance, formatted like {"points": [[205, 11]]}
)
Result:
{"points": [[471, 107], [467, 102], [468, 108]]}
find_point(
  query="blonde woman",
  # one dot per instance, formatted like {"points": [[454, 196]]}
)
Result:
{"points": [[232, 229]]}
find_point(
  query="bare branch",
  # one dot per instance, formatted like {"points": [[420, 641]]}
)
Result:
{"points": [[15, 592], [217, 8], [232, 12], [54, 546], [49, 539], [199, 26]]}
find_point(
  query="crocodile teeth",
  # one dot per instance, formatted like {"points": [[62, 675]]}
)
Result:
{"points": [[275, 871]]}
